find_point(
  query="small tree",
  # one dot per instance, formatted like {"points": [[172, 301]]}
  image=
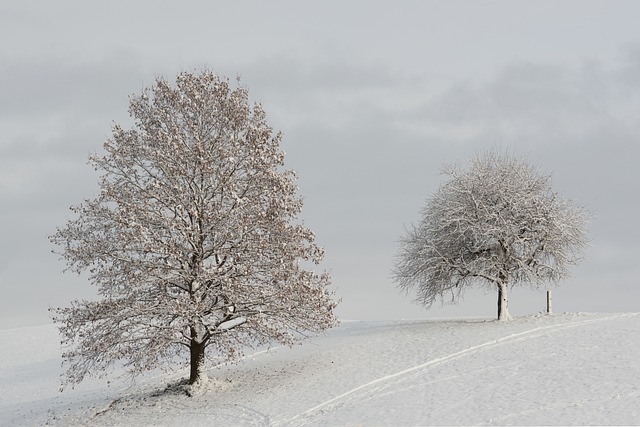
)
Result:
{"points": [[193, 241], [495, 223]]}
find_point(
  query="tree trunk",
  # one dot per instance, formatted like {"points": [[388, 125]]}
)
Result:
{"points": [[198, 367], [503, 302]]}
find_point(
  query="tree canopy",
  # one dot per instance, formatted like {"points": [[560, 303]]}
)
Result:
{"points": [[495, 222], [194, 241]]}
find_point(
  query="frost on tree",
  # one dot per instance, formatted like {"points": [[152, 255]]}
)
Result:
{"points": [[496, 223], [193, 241]]}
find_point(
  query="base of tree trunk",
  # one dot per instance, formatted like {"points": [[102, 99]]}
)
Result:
{"points": [[198, 388], [505, 317]]}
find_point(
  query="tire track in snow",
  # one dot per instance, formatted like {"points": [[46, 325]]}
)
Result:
{"points": [[351, 395]]}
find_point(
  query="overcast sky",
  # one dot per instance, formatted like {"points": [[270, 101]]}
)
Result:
{"points": [[373, 98]]}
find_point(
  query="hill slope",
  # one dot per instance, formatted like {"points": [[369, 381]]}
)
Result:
{"points": [[560, 369]]}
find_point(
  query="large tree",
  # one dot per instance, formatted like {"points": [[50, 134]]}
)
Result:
{"points": [[194, 242], [495, 222]]}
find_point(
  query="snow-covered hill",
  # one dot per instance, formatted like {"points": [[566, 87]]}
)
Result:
{"points": [[559, 369]]}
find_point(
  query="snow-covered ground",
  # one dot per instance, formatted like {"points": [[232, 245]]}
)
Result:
{"points": [[538, 370]]}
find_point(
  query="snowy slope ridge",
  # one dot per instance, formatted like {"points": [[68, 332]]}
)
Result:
{"points": [[544, 370]]}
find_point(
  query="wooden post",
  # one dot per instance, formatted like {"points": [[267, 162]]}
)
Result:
{"points": [[548, 302]]}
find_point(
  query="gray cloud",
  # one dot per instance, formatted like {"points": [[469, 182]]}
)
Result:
{"points": [[40, 87], [372, 100], [369, 174]]}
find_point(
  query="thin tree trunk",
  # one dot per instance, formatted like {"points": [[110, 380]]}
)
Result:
{"points": [[503, 302]]}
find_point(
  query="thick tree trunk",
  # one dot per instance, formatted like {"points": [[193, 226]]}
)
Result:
{"points": [[503, 302], [198, 367]]}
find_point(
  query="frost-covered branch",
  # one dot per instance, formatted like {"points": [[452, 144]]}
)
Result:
{"points": [[193, 241], [496, 222]]}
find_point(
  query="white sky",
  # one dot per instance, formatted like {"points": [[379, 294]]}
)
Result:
{"points": [[373, 97]]}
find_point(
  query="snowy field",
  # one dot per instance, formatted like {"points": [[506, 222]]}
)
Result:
{"points": [[539, 370]]}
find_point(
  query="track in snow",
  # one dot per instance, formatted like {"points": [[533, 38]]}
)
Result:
{"points": [[364, 391]]}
